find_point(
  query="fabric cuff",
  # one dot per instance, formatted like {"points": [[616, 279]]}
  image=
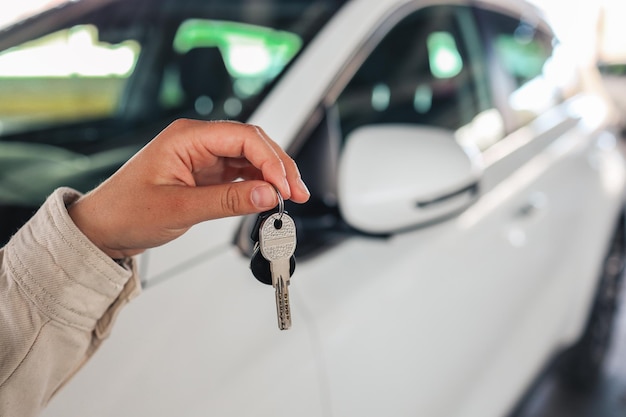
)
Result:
{"points": [[64, 274]]}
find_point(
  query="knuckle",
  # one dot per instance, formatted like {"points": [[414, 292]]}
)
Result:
{"points": [[253, 131], [179, 124], [256, 130], [231, 201]]}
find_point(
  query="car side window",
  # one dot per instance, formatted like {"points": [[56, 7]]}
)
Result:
{"points": [[525, 54], [427, 70]]}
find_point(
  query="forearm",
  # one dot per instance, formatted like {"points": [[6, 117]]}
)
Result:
{"points": [[59, 295]]}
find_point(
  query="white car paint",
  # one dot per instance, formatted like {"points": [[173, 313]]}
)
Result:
{"points": [[422, 322]]}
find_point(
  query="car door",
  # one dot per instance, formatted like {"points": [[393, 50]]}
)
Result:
{"points": [[452, 318], [563, 138]]}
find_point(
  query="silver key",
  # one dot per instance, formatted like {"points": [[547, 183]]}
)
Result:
{"points": [[277, 243]]}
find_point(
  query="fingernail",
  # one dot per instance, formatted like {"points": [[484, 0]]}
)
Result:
{"points": [[287, 187], [263, 197], [303, 186]]}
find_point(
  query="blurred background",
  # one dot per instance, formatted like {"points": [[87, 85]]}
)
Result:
{"points": [[96, 79], [596, 28]]}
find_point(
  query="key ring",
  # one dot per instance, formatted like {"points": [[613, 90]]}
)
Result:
{"points": [[281, 205]]}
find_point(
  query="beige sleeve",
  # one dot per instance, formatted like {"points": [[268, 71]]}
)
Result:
{"points": [[59, 296]]}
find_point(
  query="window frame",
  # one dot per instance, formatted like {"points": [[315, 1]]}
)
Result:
{"points": [[323, 121], [502, 83]]}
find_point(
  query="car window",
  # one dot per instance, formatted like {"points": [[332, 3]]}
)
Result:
{"points": [[65, 76], [427, 70], [85, 77], [241, 59], [526, 54], [86, 84]]}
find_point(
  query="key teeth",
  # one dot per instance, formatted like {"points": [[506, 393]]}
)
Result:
{"points": [[282, 304]]}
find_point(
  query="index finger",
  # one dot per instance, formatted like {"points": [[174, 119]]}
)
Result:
{"points": [[234, 139]]}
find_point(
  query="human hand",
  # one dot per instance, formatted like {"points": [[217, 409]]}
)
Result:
{"points": [[184, 176]]}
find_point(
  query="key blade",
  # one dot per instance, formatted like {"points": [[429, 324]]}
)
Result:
{"points": [[280, 281], [283, 309], [280, 268]]}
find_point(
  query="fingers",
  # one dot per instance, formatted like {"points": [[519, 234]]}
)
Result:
{"points": [[234, 140], [299, 191], [183, 177]]}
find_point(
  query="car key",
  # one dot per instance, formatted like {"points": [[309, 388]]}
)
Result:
{"points": [[260, 266], [277, 244]]}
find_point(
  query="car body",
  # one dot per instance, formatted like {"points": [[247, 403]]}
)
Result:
{"points": [[467, 191]]}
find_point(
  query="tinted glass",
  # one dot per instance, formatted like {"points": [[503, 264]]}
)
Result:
{"points": [[526, 54], [144, 58], [84, 86], [427, 70]]}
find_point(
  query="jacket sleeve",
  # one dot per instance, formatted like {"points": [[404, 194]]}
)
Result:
{"points": [[59, 296]]}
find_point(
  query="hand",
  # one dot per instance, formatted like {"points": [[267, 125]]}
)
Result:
{"points": [[184, 176]]}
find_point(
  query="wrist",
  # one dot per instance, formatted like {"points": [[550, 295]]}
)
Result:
{"points": [[85, 220]]}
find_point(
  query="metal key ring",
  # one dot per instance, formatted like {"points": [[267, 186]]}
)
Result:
{"points": [[281, 204]]}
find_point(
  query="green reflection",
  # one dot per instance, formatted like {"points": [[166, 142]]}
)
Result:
{"points": [[248, 50], [443, 55]]}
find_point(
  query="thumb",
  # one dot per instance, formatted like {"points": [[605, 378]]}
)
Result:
{"points": [[232, 199]]}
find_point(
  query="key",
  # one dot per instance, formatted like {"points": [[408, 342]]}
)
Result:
{"points": [[254, 235], [277, 244], [260, 266]]}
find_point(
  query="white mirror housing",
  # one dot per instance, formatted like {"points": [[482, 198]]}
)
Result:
{"points": [[394, 177]]}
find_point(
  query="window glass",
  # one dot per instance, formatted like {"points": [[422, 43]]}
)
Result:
{"points": [[127, 64], [428, 70], [525, 54], [241, 59], [88, 83], [64, 76]]}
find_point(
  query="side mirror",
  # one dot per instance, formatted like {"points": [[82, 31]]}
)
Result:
{"points": [[394, 177]]}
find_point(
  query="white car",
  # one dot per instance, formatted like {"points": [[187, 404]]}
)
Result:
{"points": [[466, 225]]}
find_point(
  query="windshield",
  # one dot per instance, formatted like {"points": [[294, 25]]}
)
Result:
{"points": [[86, 85], [146, 59]]}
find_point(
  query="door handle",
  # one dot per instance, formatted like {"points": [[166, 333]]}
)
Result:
{"points": [[535, 203]]}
